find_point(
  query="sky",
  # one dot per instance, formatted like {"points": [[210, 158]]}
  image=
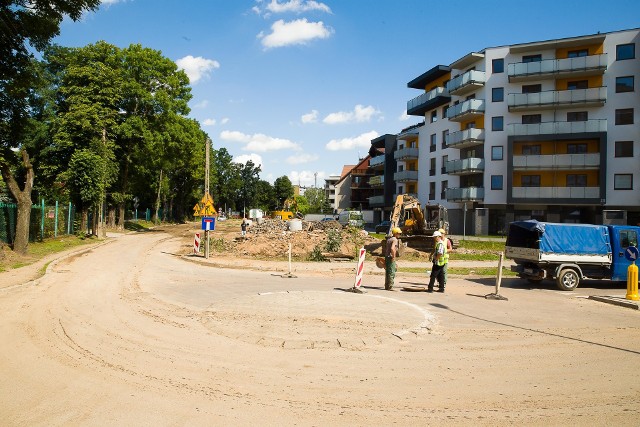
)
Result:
{"points": [[301, 87]]}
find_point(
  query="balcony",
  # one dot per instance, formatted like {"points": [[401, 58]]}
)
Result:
{"points": [[553, 99], [467, 110], [583, 66], [376, 201], [559, 193], [465, 166], [557, 161], [428, 101], [406, 154], [466, 83], [465, 194], [465, 138], [376, 181], [405, 176], [557, 128], [376, 162]]}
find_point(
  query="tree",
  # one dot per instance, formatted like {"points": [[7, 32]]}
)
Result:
{"points": [[283, 189], [223, 176], [316, 198], [265, 198], [249, 177], [25, 25]]}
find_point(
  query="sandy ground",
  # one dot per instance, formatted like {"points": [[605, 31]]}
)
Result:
{"points": [[135, 332]]}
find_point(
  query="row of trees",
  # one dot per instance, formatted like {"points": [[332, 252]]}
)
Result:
{"points": [[99, 125]]}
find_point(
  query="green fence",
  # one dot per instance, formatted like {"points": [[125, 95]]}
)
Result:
{"points": [[45, 221]]}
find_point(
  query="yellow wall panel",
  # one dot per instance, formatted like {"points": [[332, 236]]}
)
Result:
{"points": [[439, 82], [593, 50], [594, 81]]}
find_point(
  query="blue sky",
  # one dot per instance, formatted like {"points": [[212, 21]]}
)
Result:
{"points": [[301, 87]]}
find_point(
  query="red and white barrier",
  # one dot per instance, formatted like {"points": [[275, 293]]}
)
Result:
{"points": [[196, 244], [360, 269]]}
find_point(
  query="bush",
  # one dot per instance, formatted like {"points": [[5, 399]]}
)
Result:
{"points": [[316, 255], [334, 241]]}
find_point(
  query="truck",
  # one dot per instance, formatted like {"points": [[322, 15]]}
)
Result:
{"points": [[569, 253], [418, 224], [351, 218]]}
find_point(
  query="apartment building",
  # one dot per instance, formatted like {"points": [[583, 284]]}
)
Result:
{"points": [[545, 130]]}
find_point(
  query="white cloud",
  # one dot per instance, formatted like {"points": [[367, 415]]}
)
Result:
{"points": [[404, 116], [360, 141], [197, 67], [359, 114], [311, 117], [209, 122], [295, 32], [302, 158], [202, 104], [244, 158], [258, 141], [297, 6], [307, 178], [224, 120]]}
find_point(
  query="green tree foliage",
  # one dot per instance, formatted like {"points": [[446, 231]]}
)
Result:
{"points": [[317, 199], [265, 196], [25, 26], [249, 176], [283, 189]]}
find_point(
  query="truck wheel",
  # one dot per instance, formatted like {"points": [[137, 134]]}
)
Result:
{"points": [[568, 279]]}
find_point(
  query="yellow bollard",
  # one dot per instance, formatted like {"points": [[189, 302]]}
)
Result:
{"points": [[632, 282]]}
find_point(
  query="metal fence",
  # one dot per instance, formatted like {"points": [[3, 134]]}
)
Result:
{"points": [[45, 221]]}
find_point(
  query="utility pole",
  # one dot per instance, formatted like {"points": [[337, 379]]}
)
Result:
{"points": [[206, 193], [315, 180]]}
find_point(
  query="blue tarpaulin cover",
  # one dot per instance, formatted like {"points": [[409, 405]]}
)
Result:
{"points": [[583, 239]]}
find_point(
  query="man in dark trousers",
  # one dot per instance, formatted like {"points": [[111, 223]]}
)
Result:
{"points": [[440, 258], [390, 254]]}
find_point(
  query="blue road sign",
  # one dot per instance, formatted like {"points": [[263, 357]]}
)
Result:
{"points": [[631, 254], [208, 223]]}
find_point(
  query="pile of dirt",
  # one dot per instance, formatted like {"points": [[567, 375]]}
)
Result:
{"points": [[270, 238]]}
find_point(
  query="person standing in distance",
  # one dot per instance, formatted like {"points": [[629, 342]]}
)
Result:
{"points": [[390, 254], [440, 258], [243, 227]]}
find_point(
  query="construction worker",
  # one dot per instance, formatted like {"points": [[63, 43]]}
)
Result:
{"points": [[390, 254], [440, 258]]}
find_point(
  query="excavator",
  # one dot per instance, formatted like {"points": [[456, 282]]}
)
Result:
{"points": [[418, 225]]}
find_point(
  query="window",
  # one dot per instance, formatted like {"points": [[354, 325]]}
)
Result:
{"points": [[532, 58], [496, 152], [628, 238], [444, 111], [624, 116], [578, 84], [531, 180], [576, 180], [625, 51], [445, 138], [445, 159], [624, 84], [443, 192], [577, 116], [433, 142], [623, 181], [496, 182], [576, 148], [497, 94], [530, 150], [531, 88], [432, 167], [624, 148], [529, 119], [577, 53], [497, 123], [432, 191], [498, 65], [434, 116]]}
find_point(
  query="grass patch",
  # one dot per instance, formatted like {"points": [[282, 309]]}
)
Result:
{"points": [[140, 225], [482, 245], [38, 250], [463, 271]]}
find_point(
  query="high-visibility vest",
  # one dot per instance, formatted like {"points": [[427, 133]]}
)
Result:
{"points": [[445, 255]]}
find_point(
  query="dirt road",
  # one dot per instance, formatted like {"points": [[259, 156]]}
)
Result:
{"points": [[133, 333]]}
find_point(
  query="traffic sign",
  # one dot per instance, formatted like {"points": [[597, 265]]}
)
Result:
{"points": [[208, 223], [631, 254]]}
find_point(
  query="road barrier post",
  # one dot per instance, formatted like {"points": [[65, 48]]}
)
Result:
{"points": [[632, 282]]}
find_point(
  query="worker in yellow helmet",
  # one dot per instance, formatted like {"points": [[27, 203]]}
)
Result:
{"points": [[390, 255]]}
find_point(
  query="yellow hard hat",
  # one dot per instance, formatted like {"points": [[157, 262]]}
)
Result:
{"points": [[441, 231], [395, 230]]}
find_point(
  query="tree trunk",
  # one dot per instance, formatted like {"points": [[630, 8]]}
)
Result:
{"points": [[111, 217], [84, 220], [23, 198], [121, 218]]}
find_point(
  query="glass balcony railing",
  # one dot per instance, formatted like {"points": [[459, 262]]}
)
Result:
{"points": [[556, 193], [465, 194], [426, 98], [465, 138], [467, 82], [558, 98], [406, 153], [557, 128], [466, 110], [376, 161], [558, 161], [376, 200], [377, 180], [464, 166], [584, 65], [406, 176]]}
